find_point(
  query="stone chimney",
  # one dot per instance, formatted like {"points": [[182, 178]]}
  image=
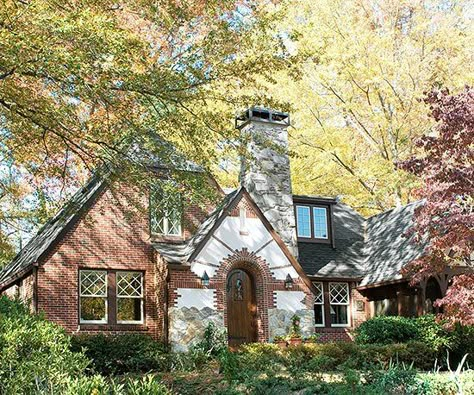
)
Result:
{"points": [[265, 168]]}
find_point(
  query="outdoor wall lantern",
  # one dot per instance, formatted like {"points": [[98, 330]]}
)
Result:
{"points": [[205, 279], [288, 282]]}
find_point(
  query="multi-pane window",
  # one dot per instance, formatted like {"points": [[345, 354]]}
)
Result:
{"points": [[319, 305], [303, 221], [165, 209], [100, 302], [312, 222], [93, 296], [320, 222], [129, 297], [339, 304]]}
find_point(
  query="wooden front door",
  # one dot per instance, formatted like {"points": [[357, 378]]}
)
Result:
{"points": [[241, 308]]}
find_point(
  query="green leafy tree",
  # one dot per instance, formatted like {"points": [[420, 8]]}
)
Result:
{"points": [[95, 84], [355, 85]]}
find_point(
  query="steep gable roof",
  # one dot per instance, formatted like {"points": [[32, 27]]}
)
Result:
{"points": [[50, 232]]}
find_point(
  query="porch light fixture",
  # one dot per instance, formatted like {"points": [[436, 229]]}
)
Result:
{"points": [[288, 282], [205, 279]]}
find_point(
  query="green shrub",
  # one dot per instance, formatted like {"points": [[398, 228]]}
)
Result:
{"points": [[119, 354], [448, 383], [386, 330], [87, 385], [35, 354], [419, 354], [433, 333], [213, 342]]}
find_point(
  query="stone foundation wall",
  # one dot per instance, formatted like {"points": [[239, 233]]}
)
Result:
{"points": [[279, 322], [187, 325]]}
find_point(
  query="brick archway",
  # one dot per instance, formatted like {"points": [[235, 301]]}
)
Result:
{"points": [[259, 270]]}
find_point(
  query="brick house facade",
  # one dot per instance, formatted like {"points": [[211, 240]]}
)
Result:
{"points": [[249, 264]]}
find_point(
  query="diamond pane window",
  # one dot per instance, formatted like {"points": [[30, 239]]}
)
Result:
{"points": [[319, 305], [165, 209], [320, 221], [93, 296], [129, 297], [339, 300], [303, 221]]}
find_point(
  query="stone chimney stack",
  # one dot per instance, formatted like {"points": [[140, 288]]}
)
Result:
{"points": [[265, 168]]}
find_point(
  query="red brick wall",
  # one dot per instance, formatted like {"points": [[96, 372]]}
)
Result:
{"points": [[23, 290], [113, 234]]}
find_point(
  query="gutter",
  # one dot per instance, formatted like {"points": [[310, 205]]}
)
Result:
{"points": [[18, 276]]}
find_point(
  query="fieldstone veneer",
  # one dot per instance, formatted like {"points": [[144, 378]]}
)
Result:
{"points": [[187, 325], [265, 173]]}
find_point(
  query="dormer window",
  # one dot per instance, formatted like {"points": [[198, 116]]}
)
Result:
{"points": [[166, 209], [313, 221]]}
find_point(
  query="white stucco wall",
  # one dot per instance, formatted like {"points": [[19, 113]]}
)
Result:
{"points": [[228, 239], [194, 297], [289, 300]]}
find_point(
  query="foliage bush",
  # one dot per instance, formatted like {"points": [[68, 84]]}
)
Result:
{"points": [[424, 329], [87, 385], [119, 354], [35, 354], [386, 330]]}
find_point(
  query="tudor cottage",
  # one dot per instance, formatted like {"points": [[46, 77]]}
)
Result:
{"points": [[248, 265]]}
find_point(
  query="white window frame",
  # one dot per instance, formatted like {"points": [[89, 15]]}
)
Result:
{"points": [[81, 321], [320, 284], [297, 222], [348, 304], [142, 297], [166, 225], [314, 208]]}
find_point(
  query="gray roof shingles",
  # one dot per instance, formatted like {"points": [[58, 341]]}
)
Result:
{"points": [[51, 231], [372, 250], [346, 259], [387, 249]]}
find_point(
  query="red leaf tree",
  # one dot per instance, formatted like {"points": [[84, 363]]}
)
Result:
{"points": [[445, 222]]}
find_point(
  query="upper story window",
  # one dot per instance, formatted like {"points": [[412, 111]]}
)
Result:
{"points": [[312, 222], [166, 209]]}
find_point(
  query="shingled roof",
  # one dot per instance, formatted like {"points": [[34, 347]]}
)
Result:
{"points": [[180, 253], [372, 250], [50, 232], [347, 258], [388, 250]]}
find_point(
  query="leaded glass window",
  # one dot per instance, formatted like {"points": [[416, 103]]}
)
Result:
{"points": [[93, 296], [165, 209], [129, 297], [319, 305], [339, 303]]}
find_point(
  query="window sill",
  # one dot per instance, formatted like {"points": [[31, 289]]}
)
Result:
{"points": [[340, 326], [167, 238], [113, 327], [315, 241]]}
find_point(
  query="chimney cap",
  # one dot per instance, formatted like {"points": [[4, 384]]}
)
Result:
{"points": [[262, 114]]}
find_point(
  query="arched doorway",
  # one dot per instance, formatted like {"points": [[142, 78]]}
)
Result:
{"points": [[241, 308]]}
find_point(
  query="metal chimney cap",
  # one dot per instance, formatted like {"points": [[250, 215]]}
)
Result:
{"points": [[262, 114]]}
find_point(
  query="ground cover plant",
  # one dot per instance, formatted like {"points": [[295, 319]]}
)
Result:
{"points": [[38, 357]]}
